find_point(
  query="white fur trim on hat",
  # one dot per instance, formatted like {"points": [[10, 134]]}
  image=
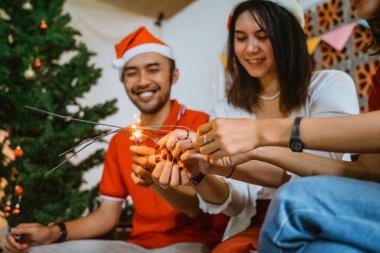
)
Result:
{"points": [[294, 7], [144, 48]]}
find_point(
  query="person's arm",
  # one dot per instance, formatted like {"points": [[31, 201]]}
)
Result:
{"points": [[97, 223], [366, 168], [359, 133], [182, 198]]}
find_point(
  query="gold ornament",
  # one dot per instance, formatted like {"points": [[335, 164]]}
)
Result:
{"points": [[10, 39], [29, 74], [27, 6]]}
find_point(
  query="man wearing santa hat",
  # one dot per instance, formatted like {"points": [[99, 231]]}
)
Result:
{"points": [[147, 69]]}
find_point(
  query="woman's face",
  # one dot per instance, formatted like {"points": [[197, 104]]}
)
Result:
{"points": [[367, 9], [253, 48]]}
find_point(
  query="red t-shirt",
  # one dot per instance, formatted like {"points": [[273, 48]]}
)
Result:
{"points": [[156, 223], [374, 94]]}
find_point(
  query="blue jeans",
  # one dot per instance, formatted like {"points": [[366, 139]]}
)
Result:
{"points": [[323, 214]]}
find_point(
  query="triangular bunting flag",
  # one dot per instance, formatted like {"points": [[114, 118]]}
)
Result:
{"points": [[338, 38], [363, 22], [312, 44]]}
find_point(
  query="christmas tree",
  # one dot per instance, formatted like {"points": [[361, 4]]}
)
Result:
{"points": [[43, 65]]}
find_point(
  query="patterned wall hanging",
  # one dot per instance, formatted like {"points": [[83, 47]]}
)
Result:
{"points": [[337, 18]]}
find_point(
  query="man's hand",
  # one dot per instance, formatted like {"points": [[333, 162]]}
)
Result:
{"points": [[177, 142], [21, 238], [144, 161]]}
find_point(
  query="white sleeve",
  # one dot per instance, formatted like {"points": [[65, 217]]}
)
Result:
{"points": [[242, 198], [333, 93], [219, 110]]}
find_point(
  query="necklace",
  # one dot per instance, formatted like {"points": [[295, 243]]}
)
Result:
{"points": [[271, 97]]}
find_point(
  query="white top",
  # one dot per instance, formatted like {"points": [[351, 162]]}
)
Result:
{"points": [[331, 93]]}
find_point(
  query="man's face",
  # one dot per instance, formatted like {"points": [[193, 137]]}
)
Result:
{"points": [[367, 9], [147, 81]]}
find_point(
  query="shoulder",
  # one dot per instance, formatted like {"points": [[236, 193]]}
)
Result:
{"points": [[224, 109], [195, 115], [331, 81]]}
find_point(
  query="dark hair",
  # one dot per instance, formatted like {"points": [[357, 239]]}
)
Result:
{"points": [[374, 24], [172, 67], [293, 63]]}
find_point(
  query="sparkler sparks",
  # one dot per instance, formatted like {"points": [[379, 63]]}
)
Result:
{"points": [[135, 129]]}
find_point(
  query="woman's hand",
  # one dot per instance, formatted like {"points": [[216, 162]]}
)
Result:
{"points": [[170, 172], [177, 141], [226, 137]]}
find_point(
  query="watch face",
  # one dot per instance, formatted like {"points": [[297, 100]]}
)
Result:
{"points": [[296, 146]]}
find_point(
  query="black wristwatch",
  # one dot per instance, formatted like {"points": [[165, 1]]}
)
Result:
{"points": [[295, 143], [197, 179], [63, 234]]}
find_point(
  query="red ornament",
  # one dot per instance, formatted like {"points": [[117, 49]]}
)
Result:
{"points": [[19, 190], [8, 207], [37, 63], [17, 210], [43, 25], [18, 151]]}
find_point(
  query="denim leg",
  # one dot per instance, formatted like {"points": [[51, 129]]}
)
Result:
{"points": [[333, 211]]}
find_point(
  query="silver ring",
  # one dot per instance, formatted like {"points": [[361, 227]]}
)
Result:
{"points": [[205, 139], [187, 136]]}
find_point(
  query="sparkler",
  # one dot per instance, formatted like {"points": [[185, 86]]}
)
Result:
{"points": [[135, 129]]}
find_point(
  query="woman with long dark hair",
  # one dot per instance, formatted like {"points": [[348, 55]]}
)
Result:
{"points": [[274, 77]]}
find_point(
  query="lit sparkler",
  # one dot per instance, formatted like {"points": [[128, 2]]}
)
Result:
{"points": [[135, 129]]}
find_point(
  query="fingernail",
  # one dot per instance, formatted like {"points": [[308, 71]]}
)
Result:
{"points": [[164, 156], [175, 161], [157, 159]]}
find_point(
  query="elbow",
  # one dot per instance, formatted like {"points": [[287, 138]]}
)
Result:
{"points": [[193, 213]]}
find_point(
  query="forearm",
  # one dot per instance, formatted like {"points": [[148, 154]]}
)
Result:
{"points": [[182, 198], [88, 227], [313, 165], [341, 134], [95, 224], [212, 189], [260, 173]]}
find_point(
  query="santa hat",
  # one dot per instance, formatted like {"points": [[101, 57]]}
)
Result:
{"points": [[292, 6], [139, 42]]}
